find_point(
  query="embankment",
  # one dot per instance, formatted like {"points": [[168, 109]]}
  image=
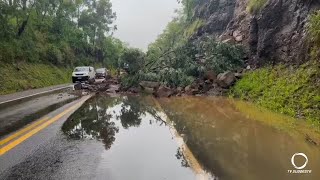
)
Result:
{"points": [[294, 91], [29, 76]]}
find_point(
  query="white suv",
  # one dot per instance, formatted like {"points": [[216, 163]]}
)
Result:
{"points": [[84, 73]]}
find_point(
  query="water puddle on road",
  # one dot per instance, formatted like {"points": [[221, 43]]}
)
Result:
{"points": [[142, 138], [15, 115]]}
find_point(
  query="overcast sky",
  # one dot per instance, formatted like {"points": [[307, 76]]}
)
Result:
{"points": [[140, 21]]}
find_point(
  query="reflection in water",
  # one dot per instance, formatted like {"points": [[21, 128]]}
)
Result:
{"points": [[227, 143], [136, 125], [232, 146], [94, 119]]}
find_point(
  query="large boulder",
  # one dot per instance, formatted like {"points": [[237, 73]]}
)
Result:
{"points": [[149, 84], [210, 75], [226, 79], [163, 91]]}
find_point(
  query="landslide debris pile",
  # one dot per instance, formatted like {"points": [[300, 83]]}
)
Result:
{"points": [[211, 85]]}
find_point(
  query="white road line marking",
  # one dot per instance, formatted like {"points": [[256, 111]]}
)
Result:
{"points": [[16, 99]]}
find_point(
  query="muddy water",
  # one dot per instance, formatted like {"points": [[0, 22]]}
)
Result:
{"points": [[141, 138], [234, 145]]}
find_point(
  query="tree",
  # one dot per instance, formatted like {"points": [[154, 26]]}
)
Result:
{"points": [[61, 32], [132, 60]]}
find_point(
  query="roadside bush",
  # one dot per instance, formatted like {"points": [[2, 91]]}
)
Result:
{"points": [[54, 55], [7, 52]]}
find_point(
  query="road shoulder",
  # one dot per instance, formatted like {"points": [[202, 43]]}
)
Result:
{"points": [[32, 92]]}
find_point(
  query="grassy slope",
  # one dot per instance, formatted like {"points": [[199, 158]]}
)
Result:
{"points": [[294, 91], [31, 76]]}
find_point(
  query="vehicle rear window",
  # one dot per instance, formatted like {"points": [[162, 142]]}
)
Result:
{"points": [[100, 71], [79, 69]]}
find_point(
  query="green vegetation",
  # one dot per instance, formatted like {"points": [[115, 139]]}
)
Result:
{"points": [[58, 32], [294, 91], [314, 34], [255, 5], [193, 27], [38, 35], [28, 76], [176, 59], [132, 60]]}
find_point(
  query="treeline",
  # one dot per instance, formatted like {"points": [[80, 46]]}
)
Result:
{"points": [[59, 32]]}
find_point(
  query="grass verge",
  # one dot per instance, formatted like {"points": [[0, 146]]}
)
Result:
{"points": [[31, 76], [293, 91]]}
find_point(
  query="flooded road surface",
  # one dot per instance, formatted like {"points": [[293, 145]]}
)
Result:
{"points": [[234, 145], [226, 143], [140, 138], [138, 143]]}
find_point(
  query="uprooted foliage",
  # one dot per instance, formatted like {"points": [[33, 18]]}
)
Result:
{"points": [[178, 59], [181, 66]]}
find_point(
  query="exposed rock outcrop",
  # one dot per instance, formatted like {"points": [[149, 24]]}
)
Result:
{"points": [[276, 33]]}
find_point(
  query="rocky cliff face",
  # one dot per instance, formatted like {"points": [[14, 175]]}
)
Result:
{"points": [[276, 33]]}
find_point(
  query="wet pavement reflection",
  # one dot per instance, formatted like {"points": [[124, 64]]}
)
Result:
{"points": [[17, 114], [139, 143], [137, 140]]}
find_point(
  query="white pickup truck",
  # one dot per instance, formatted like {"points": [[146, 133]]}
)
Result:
{"points": [[83, 73]]}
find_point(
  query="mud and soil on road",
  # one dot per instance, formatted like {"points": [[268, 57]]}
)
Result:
{"points": [[211, 84]]}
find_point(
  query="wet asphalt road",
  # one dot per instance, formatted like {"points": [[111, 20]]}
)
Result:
{"points": [[140, 138], [40, 151], [106, 138], [32, 93], [17, 114]]}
